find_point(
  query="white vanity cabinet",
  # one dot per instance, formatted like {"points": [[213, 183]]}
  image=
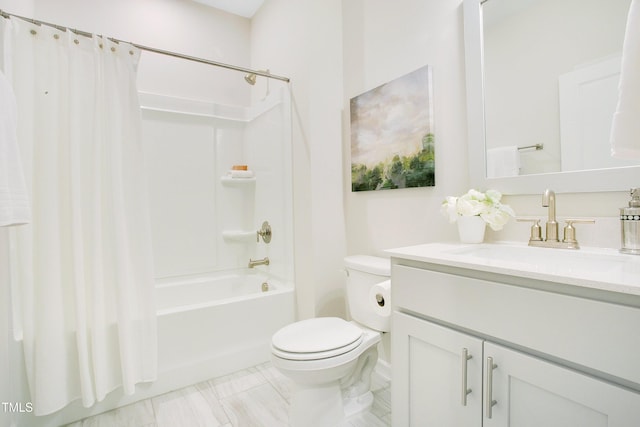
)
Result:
{"points": [[462, 340], [428, 375]]}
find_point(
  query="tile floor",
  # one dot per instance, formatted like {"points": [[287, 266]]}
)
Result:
{"points": [[255, 397]]}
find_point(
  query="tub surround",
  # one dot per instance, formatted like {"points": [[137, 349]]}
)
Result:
{"points": [[202, 219], [508, 328]]}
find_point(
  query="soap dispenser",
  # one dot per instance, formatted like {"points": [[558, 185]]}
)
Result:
{"points": [[630, 224]]}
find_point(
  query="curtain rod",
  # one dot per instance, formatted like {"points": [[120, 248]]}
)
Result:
{"points": [[152, 49]]}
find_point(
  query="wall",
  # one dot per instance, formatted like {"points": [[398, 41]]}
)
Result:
{"points": [[19, 7], [314, 43], [303, 40], [379, 42], [431, 33], [417, 33], [333, 51], [180, 26]]}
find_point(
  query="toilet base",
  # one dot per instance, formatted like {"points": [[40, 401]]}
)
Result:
{"points": [[327, 392], [355, 405], [324, 406], [318, 406], [331, 404]]}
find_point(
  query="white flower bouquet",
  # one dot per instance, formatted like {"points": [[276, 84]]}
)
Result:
{"points": [[474, 203]]}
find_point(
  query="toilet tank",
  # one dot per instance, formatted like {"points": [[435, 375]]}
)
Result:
{"points": [[364, 272]]}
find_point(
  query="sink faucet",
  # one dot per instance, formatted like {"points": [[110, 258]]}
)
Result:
{"points": [[551, 239], [254, 262], [549, 200]]}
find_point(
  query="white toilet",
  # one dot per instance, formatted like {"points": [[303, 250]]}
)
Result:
{"points": [[329, 359]]}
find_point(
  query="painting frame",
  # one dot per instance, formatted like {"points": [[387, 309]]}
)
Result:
{"points": [[392, 137]]}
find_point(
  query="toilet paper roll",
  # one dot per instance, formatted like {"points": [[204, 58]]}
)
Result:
{"points": [[380, 298]]}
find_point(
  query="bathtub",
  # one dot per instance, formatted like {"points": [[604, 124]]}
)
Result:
{"points": [[208, 326], [212, 326]]}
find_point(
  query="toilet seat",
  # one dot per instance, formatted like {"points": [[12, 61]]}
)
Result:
{"points": [[316, 339]]}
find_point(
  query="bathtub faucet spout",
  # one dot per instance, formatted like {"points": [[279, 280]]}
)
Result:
{"points": [[254, 262]]}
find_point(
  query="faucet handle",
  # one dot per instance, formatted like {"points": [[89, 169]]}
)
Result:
{"points": [[570, 231], [264, 232], [536, 230]]}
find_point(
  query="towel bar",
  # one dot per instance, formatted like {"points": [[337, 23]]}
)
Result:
{"points": [[536, 146]]}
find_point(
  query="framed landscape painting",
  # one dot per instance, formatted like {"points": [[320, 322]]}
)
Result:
{"points": [[392, 139]]}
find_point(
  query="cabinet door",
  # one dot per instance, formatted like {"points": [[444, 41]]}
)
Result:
{"points": [[530, 392], [429, 375]]}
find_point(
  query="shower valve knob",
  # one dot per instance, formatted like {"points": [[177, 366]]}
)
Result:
{"points": [[264, 232]]}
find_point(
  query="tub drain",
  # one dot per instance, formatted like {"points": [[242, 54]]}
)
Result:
{"points": [[265, 286]]}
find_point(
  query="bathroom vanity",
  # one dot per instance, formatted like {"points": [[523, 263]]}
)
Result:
{"points": [[511, 335]]}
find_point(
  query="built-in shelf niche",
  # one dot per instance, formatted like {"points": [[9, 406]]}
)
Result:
{"points": [[237, 182], [239, 236]]}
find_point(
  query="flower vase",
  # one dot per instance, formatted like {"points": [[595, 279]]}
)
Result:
{"points": [[471, 229]]}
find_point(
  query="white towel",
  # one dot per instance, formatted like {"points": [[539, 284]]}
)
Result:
{"points": [[625, 128], [503, 161], [14, 199]]}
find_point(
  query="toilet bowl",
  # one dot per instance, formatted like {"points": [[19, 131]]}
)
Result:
{"points": [[330, 360]]}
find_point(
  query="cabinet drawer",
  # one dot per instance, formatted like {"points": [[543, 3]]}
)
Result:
{"points": [[595, 335]]}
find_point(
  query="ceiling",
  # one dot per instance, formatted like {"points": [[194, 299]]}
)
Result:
{"points": [[244, 8]]}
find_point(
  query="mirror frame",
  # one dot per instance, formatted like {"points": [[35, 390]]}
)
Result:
{"points": [[592, 180]]}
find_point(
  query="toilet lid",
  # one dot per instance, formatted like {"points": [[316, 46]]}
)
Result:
{"points": [[316, 338]]}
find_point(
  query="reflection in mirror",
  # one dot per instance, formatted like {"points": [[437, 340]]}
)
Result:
{"points": [[551, 71], [544, 73]]}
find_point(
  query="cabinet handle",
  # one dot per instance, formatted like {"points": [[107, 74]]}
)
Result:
{"points": [[465, 391], [490, 402]]}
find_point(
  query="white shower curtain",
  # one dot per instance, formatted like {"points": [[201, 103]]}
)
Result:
{"points": [[82, 273]]}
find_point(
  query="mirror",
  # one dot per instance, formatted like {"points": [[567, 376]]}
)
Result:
{"points": [[528, 87]]}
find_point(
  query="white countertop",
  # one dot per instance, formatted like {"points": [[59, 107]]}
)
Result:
{"points": [[595, 268]]}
